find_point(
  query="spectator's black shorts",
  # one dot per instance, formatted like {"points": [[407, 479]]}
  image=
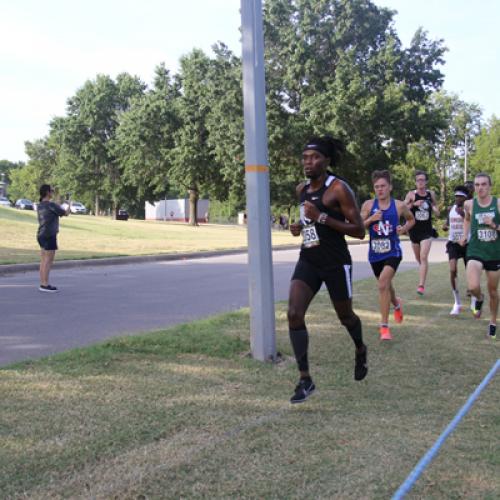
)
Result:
{"points": [[338, 279], [47, 242], [456, 251], [378, 267]]}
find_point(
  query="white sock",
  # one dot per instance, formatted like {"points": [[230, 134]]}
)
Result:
{"points": [[456, 294]]}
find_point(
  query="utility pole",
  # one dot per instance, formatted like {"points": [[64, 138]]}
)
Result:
{"points": [[260, 265]]}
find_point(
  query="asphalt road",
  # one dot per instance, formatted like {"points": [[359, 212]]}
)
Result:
{"points": [[96, 303]]}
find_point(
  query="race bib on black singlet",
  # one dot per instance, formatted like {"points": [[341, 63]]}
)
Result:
{"points": [[310, 236], [422, 215]]}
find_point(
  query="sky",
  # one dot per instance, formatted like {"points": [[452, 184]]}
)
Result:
{"points": [[49, 49]]}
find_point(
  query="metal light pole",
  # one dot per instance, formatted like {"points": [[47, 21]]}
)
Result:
{"points": [[260, 266], [465, 159]]}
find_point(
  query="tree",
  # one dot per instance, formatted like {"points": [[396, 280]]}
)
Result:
{"points": [[7, 166], [87, 132], [27, 179], [486, 157], [145, 139], [442, 158], [338, 67], [194, 165], [224, 125]]}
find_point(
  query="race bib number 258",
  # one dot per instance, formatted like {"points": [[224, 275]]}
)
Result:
{"points": [[310, 236]]}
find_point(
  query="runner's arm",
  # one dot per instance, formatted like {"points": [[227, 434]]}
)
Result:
{"points": [[446, 225], [296, 227], [408, 216], [353, 224], [409, 199], [491, 220], [435, 208], [365, 214], [467, 208]]}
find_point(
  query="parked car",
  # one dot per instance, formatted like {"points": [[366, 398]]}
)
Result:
{"points": [[24, 204], [4, 202], [122, 215], [77, 208]]}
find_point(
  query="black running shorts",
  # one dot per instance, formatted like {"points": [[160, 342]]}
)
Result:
{"points": [[47, 242], [418, 237], [488, 265], [378, 267], [456, 251], [338, 279]]}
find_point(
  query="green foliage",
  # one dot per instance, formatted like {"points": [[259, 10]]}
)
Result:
{"points": [[85, 138], [332, 66], [486, 157], [6, 167], [339, 67], [443, 157], [145, 138]]}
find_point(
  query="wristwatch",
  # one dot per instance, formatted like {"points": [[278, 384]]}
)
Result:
{"points": [[322, 218]]}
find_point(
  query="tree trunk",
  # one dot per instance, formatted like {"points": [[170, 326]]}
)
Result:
{"points": [[193, 207], [442, 186], [96, 208]]}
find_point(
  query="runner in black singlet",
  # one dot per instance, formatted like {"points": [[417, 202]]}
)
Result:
{"points": [[422, 203], [328, 212]]}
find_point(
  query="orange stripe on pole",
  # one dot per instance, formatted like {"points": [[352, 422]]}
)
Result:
{"points": [[256, 168]]}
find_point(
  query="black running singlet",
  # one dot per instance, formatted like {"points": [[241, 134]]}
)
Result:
{"points": [[322, 246], [423, 217]]}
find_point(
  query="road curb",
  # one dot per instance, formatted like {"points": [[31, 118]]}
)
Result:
{"points": [[6, 269]]}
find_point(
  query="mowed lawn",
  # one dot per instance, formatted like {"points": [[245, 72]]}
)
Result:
{"points": [[185, 413], [88, 237]]}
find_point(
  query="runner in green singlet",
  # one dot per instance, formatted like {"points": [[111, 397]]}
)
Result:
{"points": [[481, 227]]}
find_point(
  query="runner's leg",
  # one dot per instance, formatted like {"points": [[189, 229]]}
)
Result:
{"points": [[416, 250], [300, 297], [493, 277], [351, 321], [473, 273], [425, 247], [386, 293]]}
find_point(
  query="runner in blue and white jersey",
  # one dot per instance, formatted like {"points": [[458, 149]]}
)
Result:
{"points": [[381, 216]]}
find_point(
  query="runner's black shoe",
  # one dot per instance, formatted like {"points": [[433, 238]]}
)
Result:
{"points": [[304, 389], [361, 364], [48, 288], [492, 332]]}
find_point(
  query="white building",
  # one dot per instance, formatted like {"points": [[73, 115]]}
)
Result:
{"points": [[176, 210]]}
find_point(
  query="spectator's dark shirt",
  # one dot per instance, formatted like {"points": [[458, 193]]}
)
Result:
{"points": [[48, 218]]}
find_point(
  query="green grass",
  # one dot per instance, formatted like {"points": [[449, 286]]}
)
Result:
{"points": [[88, 237], [185, 413]]}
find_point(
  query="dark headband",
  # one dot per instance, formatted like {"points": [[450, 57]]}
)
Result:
{"points": [[317, 147]]}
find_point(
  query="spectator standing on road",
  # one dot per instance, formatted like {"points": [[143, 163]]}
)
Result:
{"points": [[422, 202], [328, 212], [381, 217], [48, 226], [481, 228]]}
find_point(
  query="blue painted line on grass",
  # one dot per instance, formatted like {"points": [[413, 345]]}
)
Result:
{"points": [[426, 459]]}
